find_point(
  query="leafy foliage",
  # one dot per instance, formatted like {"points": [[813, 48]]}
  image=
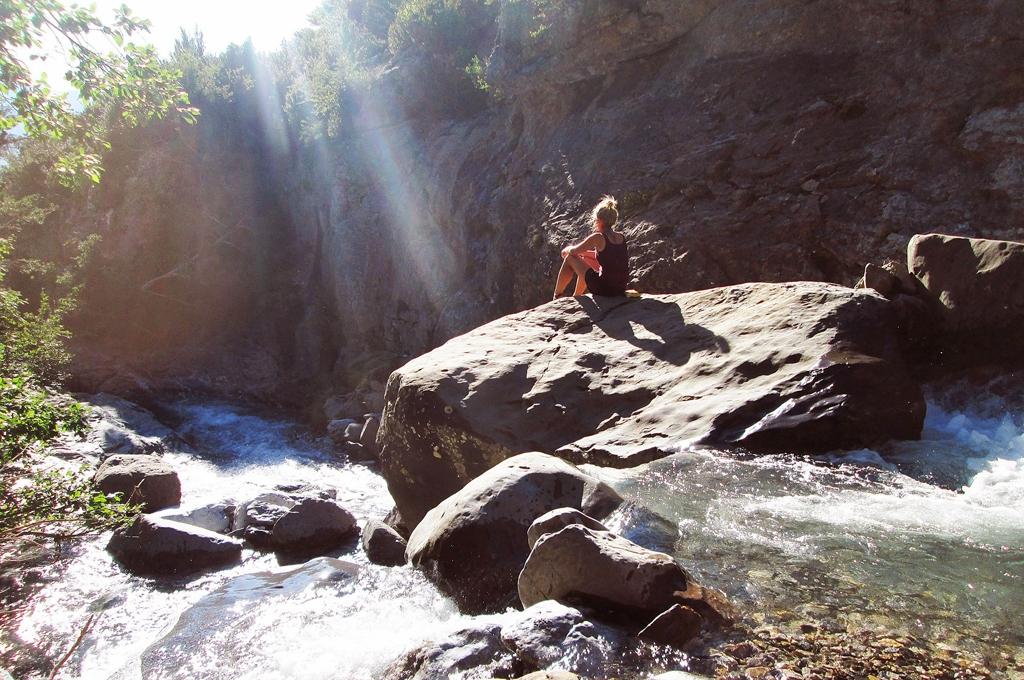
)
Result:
{"points": [[108, 72], [441, 28], [45, 501], [448, 36]]}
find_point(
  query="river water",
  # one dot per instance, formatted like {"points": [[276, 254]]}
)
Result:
{"points": [[924, 537]]}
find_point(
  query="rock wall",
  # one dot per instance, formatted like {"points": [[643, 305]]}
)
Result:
{"points": [[774, 141]]}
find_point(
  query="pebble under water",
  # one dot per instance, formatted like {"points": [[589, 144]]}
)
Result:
{"points": [[922, 537]]}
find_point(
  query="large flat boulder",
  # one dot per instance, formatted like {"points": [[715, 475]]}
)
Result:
{"points": [[979, 285], [804, 367], [474, 544]]}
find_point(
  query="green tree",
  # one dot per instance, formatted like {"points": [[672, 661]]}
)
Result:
{"points": [[115, 82], [111, 75]]}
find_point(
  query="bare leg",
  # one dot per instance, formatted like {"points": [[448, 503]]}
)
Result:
{"points": [[563, 279], [581, 285], [579, 267]]}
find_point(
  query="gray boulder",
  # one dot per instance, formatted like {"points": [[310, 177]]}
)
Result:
{"points": [[382, 544], [979, 287], [312, 526], [146, 480], [550, 633], [553, 521], [156, 546], [473, 544], [297, 522], [802, 367], [601, 568]]}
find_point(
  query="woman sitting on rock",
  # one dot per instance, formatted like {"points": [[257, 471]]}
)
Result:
{"points": [[600, 261]]}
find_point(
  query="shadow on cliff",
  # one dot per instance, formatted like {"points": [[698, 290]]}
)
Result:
{"points": [[669, 338]]}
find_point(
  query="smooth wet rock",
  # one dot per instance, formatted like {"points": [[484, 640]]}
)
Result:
{"points": [[156, 546], [336, 429], [382, 544], [215, 517], [979, 285], [312, 526], [600, 569], [802, 367], [473, 544], [473, 652], [119, 426], [145, 480], [240, 612], [553, 521], [550, 633]]}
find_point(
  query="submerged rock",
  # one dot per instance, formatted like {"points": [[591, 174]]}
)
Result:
{"points": [[618, 382], [216, 517], [602, 570], [156, 546], [472, 652], [227, 619], [117, 425], [145, 480], [473, 545]]}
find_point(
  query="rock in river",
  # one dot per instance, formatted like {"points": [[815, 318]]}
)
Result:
{"points": [[979, 285], [803, 367], [146, 480], [601, 569], [382, 544], [473, 545], [157, 546]]}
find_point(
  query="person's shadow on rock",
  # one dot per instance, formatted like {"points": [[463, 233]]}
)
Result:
{"points": [[674, 340]]}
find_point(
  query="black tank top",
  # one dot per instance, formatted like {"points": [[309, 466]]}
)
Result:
{"points": [[614, 261]]}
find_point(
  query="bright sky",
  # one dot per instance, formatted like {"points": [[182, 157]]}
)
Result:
{"points": [[222, 22]]}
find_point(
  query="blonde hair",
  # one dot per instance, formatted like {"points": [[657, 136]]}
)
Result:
{"points": [[607, 210]]}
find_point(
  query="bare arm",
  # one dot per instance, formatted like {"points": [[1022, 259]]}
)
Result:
{"points": [[594, 241]]}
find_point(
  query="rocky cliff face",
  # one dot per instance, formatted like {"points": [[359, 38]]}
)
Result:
{"points": [[775, 141]]}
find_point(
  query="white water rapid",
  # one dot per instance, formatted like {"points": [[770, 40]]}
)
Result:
{"points": [[926, 537]]}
